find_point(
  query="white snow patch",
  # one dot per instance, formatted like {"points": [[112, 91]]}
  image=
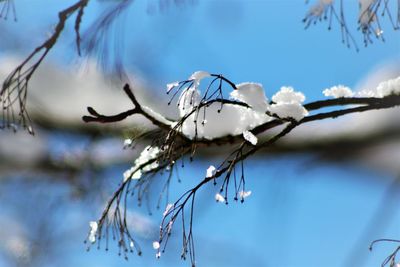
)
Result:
{"points": [[251, 94], [287, 95], [219, 197], [211, 171], [288, 104], [293, 110], [172, 85], [199, 75], [127, 142], [93, 230], [389, 87], [250, 137], [244, 194], [338, 91], [156, 245], [230, 120], [148, 153], [168, 208], [155, 115]]}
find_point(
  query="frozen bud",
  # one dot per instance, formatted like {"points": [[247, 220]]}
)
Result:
{"points": [[171, 86], [249, 137], [219, 198], [30, 130], [158, 255], [244, 194], [211, 171], [93, 230], [93, 226], [156, 245], [127, 142]]}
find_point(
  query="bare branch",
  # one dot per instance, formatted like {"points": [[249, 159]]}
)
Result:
{"points": [[15, 87], [7, 6], [368, 20]]}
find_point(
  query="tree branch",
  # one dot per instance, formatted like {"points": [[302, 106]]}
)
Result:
{"points": [[15, 86]]}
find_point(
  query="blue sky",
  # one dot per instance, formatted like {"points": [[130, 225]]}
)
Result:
{"points": [[299, 214]]}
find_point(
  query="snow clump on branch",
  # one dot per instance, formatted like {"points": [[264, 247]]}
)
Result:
{"points": [[208, 115], [338, 91], [389, 87], [216, 119], [250, 137], [93, 231], [148, 154], [287, 104], [252, 94]]}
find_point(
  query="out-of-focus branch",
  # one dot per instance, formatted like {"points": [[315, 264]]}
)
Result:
{"points": [[15, 87]]}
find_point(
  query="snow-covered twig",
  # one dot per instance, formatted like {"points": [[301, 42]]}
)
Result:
{"points": [[177, 141]]}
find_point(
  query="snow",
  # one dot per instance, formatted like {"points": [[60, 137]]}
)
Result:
{"points": [[289, 110], [172, 85], [244, 194], [189, 99], [388, 87], [288, 104], [251, 94], [155, 115], [230, 120], [168, 208], [148, 153], [127, 142], [250, 137], [217, 120], [199, 75], [211, 171], [219, 198], [338, 91], [383, 89], [156, 245], [93, 230], [287, 95], [132, 173]]}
